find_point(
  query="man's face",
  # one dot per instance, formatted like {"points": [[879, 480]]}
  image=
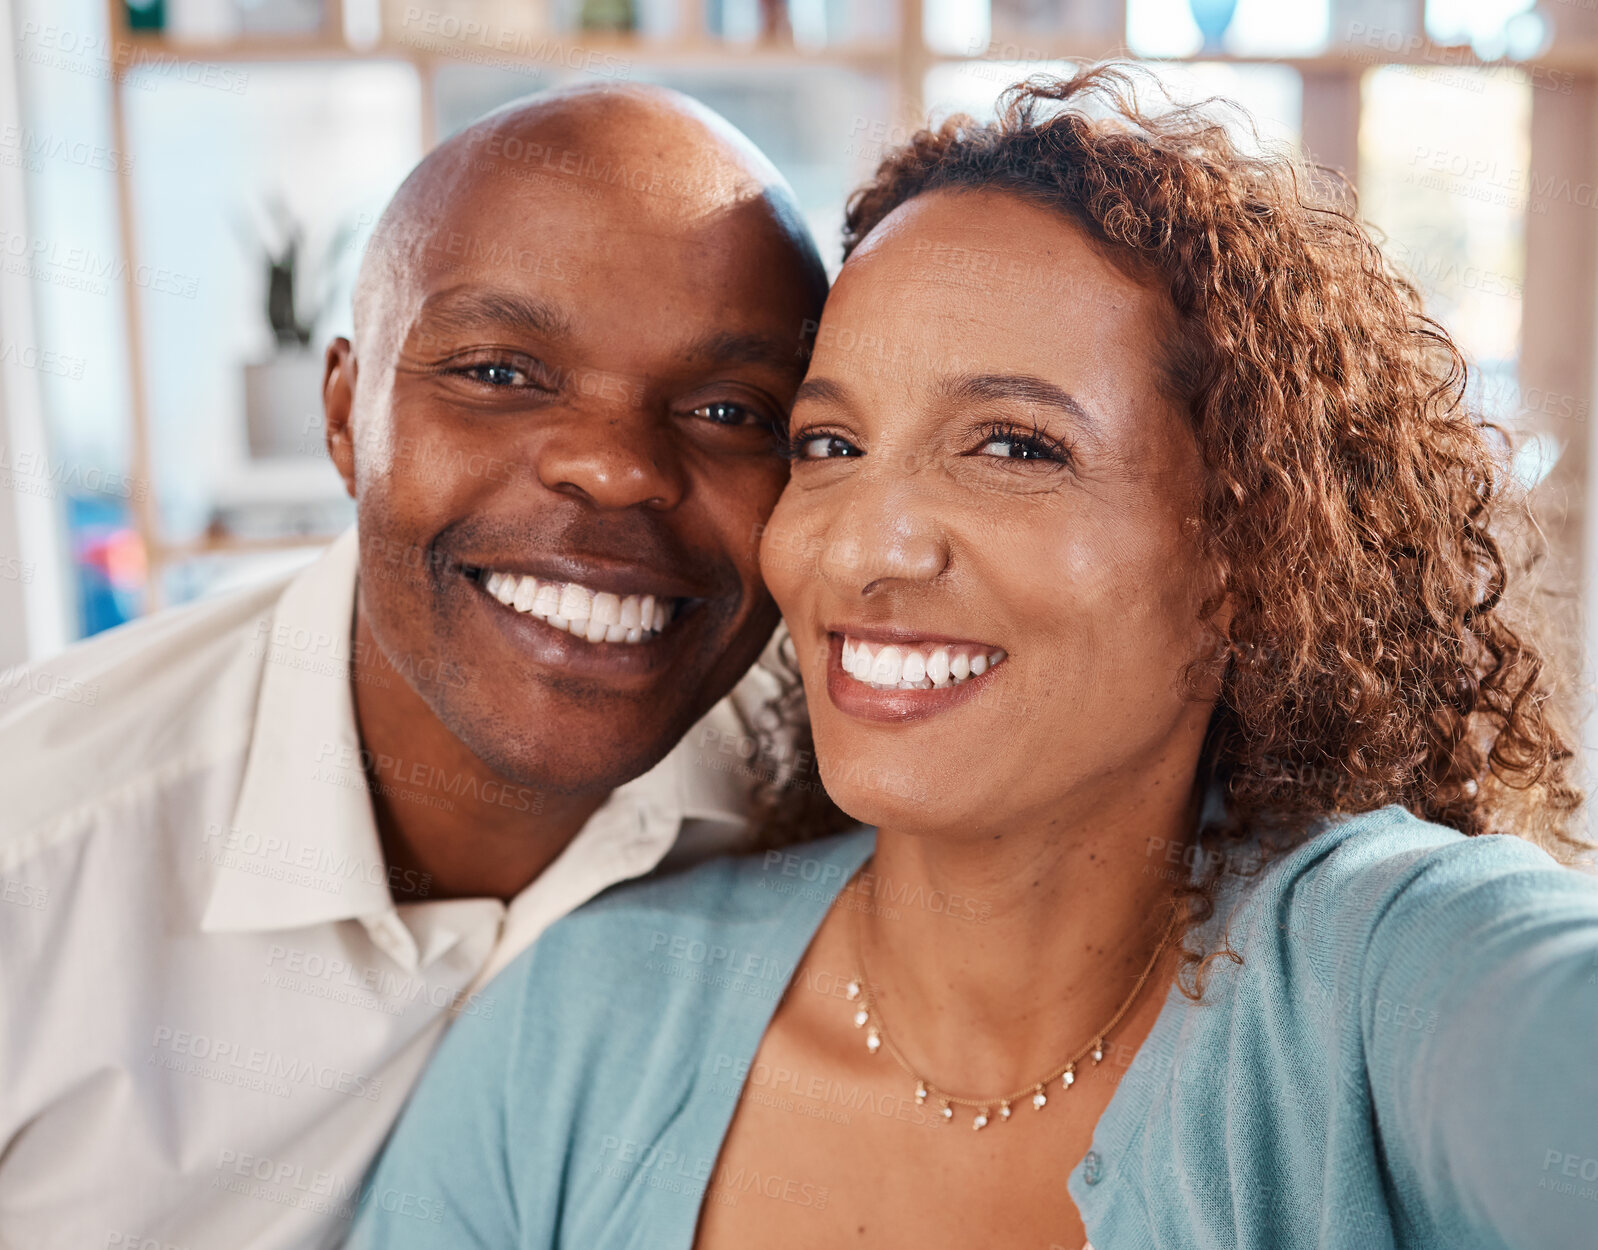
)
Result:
{"points": [[563, 454]]}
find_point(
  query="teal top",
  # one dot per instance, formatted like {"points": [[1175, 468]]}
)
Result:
{"points": [[1407, 1057]]}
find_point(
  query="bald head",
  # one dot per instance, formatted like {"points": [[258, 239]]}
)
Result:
{"points": [[659, 156]]}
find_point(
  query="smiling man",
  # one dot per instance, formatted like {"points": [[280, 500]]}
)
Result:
{"points": [[282, 838]]}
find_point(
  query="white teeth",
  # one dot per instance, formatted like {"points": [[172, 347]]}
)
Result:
{"points": [[576, 602], [899, 667], [592, 615], [547, 601]]}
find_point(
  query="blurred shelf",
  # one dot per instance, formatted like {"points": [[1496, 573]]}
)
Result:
{"points": [[230, 544], [436, 48], [1574, 57]]}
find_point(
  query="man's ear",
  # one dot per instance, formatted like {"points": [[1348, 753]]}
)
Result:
{"points": [[338, 406]]}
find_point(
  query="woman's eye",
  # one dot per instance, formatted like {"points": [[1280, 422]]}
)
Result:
{"points": [[1019, 447], [824, 447], [728, 414]]}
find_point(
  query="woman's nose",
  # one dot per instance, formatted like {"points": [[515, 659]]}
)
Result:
{"points": [[882, 538]]}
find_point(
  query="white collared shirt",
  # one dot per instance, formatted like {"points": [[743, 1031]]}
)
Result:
{"points": [[211, 1009]]}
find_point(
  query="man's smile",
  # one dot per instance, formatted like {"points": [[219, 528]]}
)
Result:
{"points": [[586, 613]]}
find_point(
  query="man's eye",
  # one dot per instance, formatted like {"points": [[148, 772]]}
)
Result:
{"points": [[824, 447], [496, 373], [728, 414]]}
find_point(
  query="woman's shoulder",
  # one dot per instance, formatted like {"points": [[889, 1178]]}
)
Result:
{"points": [[1363, 885], [1391, 856], [701, 930]]}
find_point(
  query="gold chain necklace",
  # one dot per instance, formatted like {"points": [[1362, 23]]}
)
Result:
{"points": [[868, 1016]]}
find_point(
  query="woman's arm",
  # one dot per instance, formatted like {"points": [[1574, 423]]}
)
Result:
{"points": [[1479, 1012]]}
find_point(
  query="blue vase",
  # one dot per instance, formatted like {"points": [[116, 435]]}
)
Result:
{"points": [[1212, 18]]}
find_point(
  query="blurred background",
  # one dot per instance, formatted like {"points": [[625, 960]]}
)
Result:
{"points": [[186, 187]]}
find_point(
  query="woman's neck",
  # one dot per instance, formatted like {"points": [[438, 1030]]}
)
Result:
{"points": [[996, 954]]}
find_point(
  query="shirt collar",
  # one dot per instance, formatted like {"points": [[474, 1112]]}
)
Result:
{"points": [[303, 846]]}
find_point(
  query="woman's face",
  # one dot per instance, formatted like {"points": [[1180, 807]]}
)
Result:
{"points": [[987, 552]]}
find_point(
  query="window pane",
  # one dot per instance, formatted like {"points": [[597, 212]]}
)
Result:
{"points": [[1242, 27], [823, 127], [1493, 28], [1271, 96], [1444, 165], [302, 160]]}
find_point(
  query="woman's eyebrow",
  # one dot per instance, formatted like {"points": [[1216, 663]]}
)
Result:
{"points": [[1026, 387], [823, 390]]}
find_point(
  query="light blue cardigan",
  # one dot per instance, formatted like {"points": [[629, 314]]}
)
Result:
{"points": [[1407, 1057]]}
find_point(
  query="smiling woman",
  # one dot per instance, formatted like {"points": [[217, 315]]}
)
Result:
{"points": [[1141, 565]]}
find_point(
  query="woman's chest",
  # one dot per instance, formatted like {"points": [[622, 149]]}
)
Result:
{"points": [[823, 1154]]}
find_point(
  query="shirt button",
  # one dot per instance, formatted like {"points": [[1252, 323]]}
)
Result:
{"points": [[1091, 1167]]}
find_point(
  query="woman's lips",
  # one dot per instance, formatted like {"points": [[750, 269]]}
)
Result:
{"points": [[905, 679]]}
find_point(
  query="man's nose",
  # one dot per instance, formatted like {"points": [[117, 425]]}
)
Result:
{"points": [[613, 460]]}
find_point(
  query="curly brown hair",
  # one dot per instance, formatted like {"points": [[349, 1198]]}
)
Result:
{"points": [[1354, 504]]}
